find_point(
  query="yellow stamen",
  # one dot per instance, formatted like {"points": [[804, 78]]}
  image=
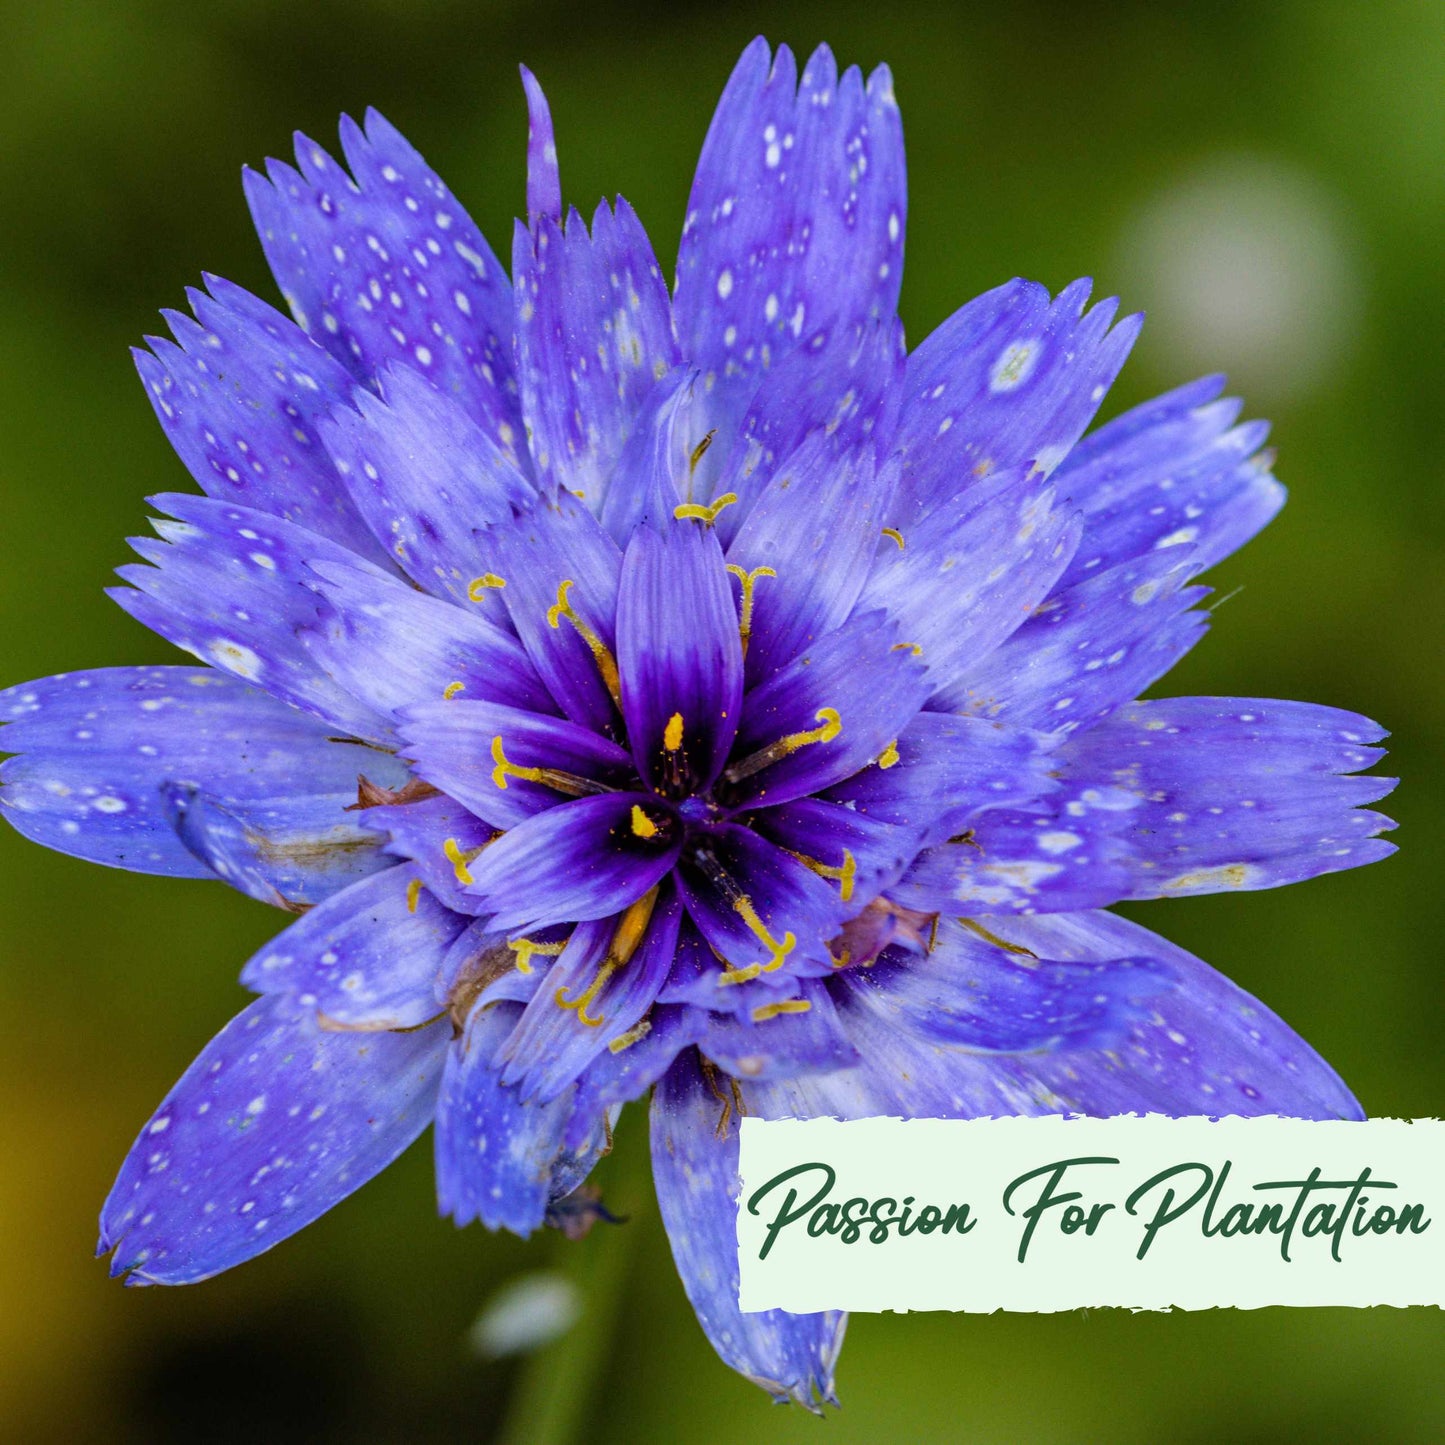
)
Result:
{"points": [[484, 583], [841, 960], [743, 905], [413, 895], [889, 756], [731, 976], [452, 689], [698, 453], [695, 512], [767, 1011], [631, 930], [745, 612], [912, 647], [843, 874], [569, 783], [642, 825], [832, 725], [994, 939], [526, 951], [459, 860], [606, 663], [633, 1035], [672, 734], [895, 534]]}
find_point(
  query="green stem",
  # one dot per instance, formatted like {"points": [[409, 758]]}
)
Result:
{"points": [[557, 1383]]}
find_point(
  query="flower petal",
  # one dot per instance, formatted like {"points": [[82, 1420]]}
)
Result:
{"points": [[556, 1039], [454, 745], [1174, 472], [391, 646], [555, 563], [438, 835], [96, 747], [863, 675], [794, 230], [1089, 649], [240, 398], [544, 182], [947, 771], [275, 1122], [780, 1039], [679, 656], [495, 1155], [291, 852], [234, 587], [970, 573], [1011, 379], [815, 527], [367, 959], [580, 860], [695, 1165], [389, 267], [594, 333], [425, 476]]}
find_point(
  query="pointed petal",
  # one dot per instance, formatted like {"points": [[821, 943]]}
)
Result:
{"points": [[234, 587], [425, 476], [794, 230], [554, 554], [970, 573], [391, 646], [94, 749], [275, 1122], [679, 655], [1091, 648], [790, 1356], [580, 860], [864, 674], [367, 959], [454, 745], [389, 267], [1011, 379], [594, 333], [544, 183], [240, 398]]}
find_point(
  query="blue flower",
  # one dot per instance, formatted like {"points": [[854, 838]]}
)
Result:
{"points": [[745, 708]]}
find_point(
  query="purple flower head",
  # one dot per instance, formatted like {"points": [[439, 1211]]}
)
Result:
{"points": [[745, 708]]}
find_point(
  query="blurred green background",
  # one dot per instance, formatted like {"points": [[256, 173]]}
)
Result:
{"points": [[1268, 179]]}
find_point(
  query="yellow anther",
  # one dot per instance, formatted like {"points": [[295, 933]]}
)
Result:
{"points": [[832, 725], [731, 976], [695, 512], [642, 825], [526, 951], [452, 689], [698, 453], [413, 895], [606, 663], [895, 534], [631, 930], [569, 783], [841, 959], [889, 756], [459, 860], [745, 611], [844, 874], [484, 583], [672, 734], [767, 1011], [743, 905], [633, 1035], [912, 647]]}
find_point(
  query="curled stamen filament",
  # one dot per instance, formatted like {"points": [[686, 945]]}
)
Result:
{"points": [[484, 583], [631, 930], [745, 610], [526, 951], [765, 1011], [743, 906], [696, 512], [832, 725], [843, 874], [606, 663], [459, 859], [570, 783]]}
